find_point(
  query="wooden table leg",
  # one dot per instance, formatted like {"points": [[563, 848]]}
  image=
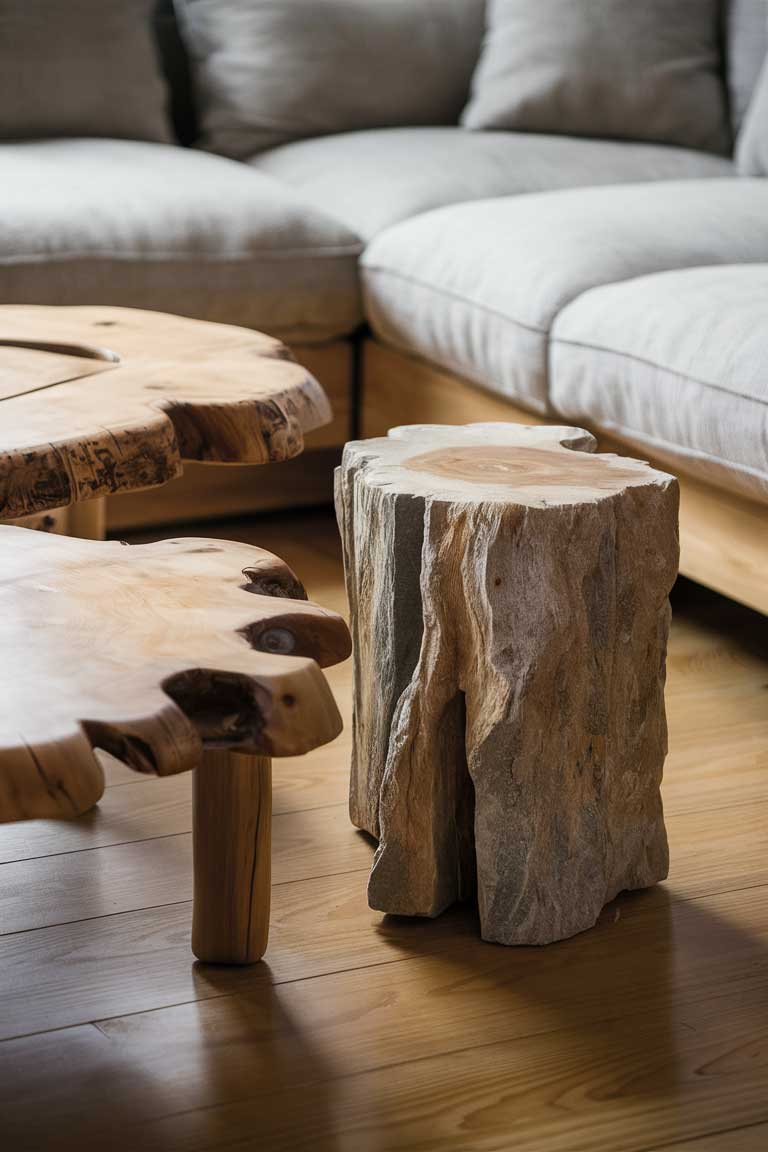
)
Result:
{"points": [[88, 520], [232, 838]]}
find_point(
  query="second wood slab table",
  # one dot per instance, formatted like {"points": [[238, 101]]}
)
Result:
{"points": [[95, 401], [185, 654]]}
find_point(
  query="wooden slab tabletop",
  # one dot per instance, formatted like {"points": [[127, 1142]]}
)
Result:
{"points": [[96, 400], [151, 652]]}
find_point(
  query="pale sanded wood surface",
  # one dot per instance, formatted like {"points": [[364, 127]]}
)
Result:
{"points": [[723, 542], [95, 401], [151, 652], [361, 1033], [508, 595]]}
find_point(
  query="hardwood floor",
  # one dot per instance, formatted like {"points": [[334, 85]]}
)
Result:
{"points": [[360, 1033]]}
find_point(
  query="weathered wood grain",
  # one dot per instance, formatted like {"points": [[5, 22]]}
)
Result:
{"points": [[509, 604], [95, 401]]}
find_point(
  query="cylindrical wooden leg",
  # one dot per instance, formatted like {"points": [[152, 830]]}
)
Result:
{"points": [[232, 857], [88, 520]]}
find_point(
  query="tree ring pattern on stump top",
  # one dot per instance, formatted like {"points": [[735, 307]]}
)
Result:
{"points": [[521, 467]]}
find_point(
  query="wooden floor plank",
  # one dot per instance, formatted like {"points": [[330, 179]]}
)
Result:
{"points": [[126, 877], [575, 1091], [716, 703], [604, 1090], [627, 1025], [146, 807], [717, 849], [140, 810], [753, 1138], [75, 973], [712, 851]]}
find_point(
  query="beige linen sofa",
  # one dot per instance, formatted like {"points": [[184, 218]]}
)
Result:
{"points": [[425, 269]]}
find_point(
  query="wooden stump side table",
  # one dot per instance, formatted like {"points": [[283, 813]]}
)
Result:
{"points": [[509, 610], [186, 654]]}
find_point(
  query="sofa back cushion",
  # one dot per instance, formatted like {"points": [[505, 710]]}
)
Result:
{"points": [[176, 71], [752, 145], [746, 39], [269, 71], [633, 69], [80, 68]]}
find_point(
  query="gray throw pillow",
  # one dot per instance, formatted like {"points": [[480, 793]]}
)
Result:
{"points": [[628, 69], [80, 68], [752, 144], [269, 71]]}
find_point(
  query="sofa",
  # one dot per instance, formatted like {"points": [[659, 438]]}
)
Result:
{"points": [[446, 218]]}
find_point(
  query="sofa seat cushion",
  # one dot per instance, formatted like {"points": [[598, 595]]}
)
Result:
{"points": [[475, 288], [675, 365], [371, 180], [150, 226]]}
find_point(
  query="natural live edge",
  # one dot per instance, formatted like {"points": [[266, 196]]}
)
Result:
{"points": [[151, 652], [169, 389]]}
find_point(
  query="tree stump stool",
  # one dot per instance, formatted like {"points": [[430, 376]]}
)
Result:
{"points": [[187, 654], [509, 613]]}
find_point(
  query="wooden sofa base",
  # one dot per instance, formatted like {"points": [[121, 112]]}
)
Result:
{"points": [[723, 538]]}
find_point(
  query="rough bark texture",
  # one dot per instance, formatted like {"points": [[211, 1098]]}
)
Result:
{"points": [[509, 611], [95, 401]]}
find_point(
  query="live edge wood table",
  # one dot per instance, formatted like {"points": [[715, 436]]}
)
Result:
{"points": [[509, 609], [186, 654], [96, 401]]}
